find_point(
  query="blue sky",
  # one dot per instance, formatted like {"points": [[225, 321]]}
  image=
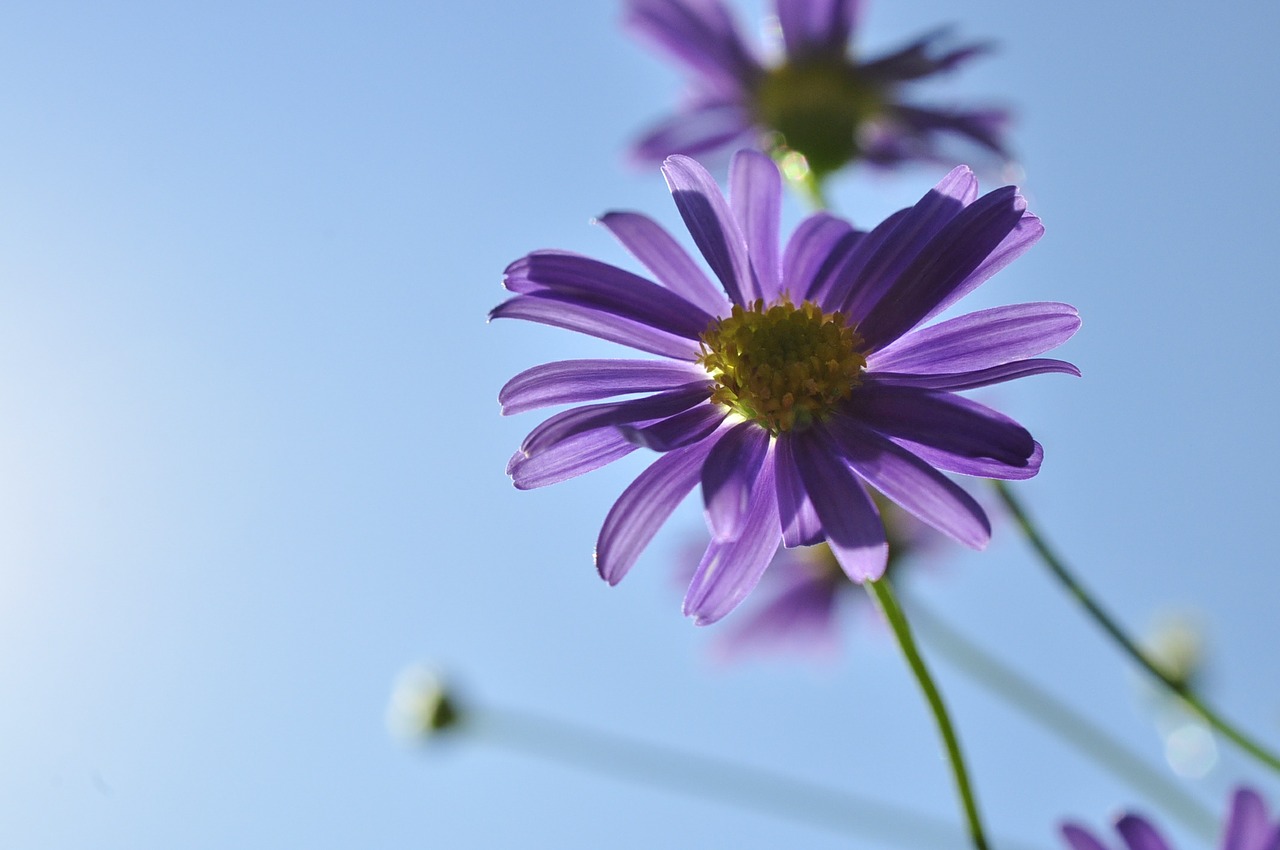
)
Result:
{"points": [[251, 462]]}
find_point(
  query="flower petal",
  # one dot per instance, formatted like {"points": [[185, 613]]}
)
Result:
{"points": [[906, 479], [571, 381], [650, 243], [700, 33], [1080, 838], [711, 224], [1027, 233], [568, 459], [957, 381], [980, 340], [816, 28], [755, 199], [921, 58], [607, 288], [729, 475], [819, 241], [569, 423], [555, 310], [1139, 834], [800, 614], [801, 525], [696, 130], [644, 506], [1248, 827], [980, 467], [849, 518], [731, 568], [676, 431]]}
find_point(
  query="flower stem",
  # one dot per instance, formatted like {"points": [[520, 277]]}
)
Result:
{"points": [[1180, 688], [1042, 707], [882, 592]]}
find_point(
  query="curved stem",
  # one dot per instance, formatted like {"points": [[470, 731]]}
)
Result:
{"points": [[1112, 628], [882, 593], [1042, 707]]}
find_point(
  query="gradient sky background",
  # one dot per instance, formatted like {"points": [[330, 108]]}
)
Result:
{"points": [[251, 462]]}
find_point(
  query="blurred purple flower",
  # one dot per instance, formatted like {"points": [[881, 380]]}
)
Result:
{"points": [[806, 375], [1248, 828], [820, 100]]}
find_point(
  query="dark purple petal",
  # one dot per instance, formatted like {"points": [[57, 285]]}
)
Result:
{"points": [[801, 525], [696, 130], [921, 58], [980, 467], [1139, 834], [700, 33], [837, 283], [1248, 827], [1080, 838], [957, 381], [679, 430], [731, 568], [555, 310], [943, 265], [816, 28], [920, 129], [755, 199], [569, 423], [818, 242], [711, 224], [644, 506], [729, 475], [1027, 233], [649, 243], [572, 381], [943, 420], [906, 479], [607, 288], [873, 272], [568, 459], [980, 340], [849, 518]]}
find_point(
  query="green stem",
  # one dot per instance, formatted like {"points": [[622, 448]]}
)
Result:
{"points": [[1042, 707], [882, 593], [1181, 688]]}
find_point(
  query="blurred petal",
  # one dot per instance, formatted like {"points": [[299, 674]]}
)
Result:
{"points": [[1247, 825], [700, 33], [695, 131], [1079, 838], [813, 28], [1138, 834]]}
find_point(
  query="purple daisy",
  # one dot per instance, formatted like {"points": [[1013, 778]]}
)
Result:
{"points": [[819, 101], [1247, 828], [805, 375]]}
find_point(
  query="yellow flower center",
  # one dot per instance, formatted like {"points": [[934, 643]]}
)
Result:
{"points": [[783, 366], [816, 109]]}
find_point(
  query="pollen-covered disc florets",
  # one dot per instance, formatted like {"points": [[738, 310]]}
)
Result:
{"points": [[782, 366]]}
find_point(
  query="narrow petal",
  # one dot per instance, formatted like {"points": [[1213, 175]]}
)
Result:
{"points": [[650, 243], [1027, 233], [915, 485], [676, 431], [644, 506], [946, 421], [849, 518], [572, 381], [801, 525], [554, 310], [700, 33], [568, 459], [1080, 838], [607, 288], [926, 132], [922, 58], [711, 224], [1139, 834], [728, 477], [570, 423], [811, 248], [816, 28], [731, 568], [1248, 827], [980, 340], [957, 381], [979, 467], [799, 614], [696, 130], [755, 199]]}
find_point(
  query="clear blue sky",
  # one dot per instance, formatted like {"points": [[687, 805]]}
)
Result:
{"points": [[251, 462]]}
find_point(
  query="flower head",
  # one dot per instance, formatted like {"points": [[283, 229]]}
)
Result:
{"points": [[819, 102], [808, 372], [1247, 828]]}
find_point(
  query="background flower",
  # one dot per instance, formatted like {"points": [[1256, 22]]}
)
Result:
{"points": [[1247, 828]]}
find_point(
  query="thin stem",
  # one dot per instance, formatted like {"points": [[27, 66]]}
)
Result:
{"points": [[1042, 707], [882, 593], [1181, 688], [753, 788]]}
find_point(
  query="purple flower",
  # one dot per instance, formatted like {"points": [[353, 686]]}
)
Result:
{"points": [[819, 101], [808, 374], [1247, 828]]}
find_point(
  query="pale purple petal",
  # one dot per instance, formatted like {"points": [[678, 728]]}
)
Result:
{"points": [[957, 381], [1248, 827], [755, 199], [572, 381], [816, 28], [849, 518], [1027, 233], [921, 58], [800, 613], [700, 33], [644, 506], [1139, 834], [677, 431], [650, 243], [980, 467], [569, 423], [568, 459], [801, 525], [731, 568], [696, 130], [980, 340], [607, 288], [819, 240], [906, 479], [729, 475], [548, 309], [1080, 838], [711, 224]]}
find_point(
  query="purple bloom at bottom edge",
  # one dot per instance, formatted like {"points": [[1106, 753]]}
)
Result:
{"points": [[807, 372], [1248, 827]]}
